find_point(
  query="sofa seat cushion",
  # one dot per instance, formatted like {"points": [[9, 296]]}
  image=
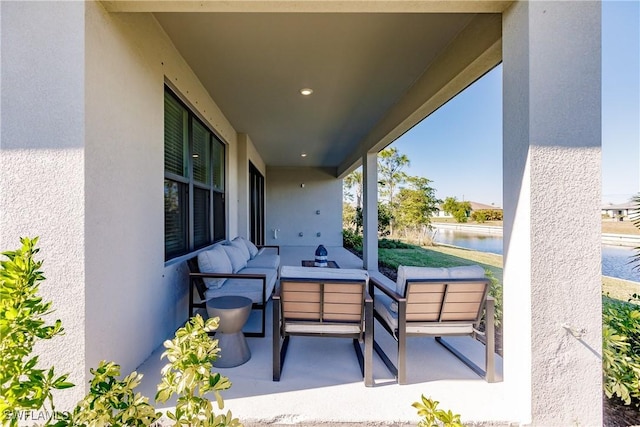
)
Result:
{"points": [[265, 260], [250, 288], [214, 260]]}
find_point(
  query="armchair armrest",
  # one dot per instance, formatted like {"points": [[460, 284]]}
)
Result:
{"points": [[276, 247], [391, 293]]}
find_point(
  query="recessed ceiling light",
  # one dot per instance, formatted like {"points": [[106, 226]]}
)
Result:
{"points": [[303, 155], [306, 91]]}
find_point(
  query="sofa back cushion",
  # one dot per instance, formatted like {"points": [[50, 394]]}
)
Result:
{"points": [[239, 243], [236, 256], [253, 249], [214, 260]]}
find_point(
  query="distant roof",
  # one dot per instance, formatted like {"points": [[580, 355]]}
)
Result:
{"points": [[628, 205], [475, 206]]}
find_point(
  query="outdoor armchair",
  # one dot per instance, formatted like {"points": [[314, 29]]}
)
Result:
{"points": [[435, 302], [323, 302]]}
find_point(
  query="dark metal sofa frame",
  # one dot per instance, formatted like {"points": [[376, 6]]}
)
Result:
{"points": [[196, 284]]}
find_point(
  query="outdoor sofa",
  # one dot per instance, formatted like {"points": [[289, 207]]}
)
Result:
{"points": [[236, 267]]}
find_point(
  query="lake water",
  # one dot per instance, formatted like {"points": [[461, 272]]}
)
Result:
{"points": [[615, 259]]}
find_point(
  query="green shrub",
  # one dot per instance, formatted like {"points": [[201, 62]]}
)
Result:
{"points": [[621, 350], [495, 290], [460, 215], [25, 386], [351, 239], [482, 215], [479, 216], [112, 402], [434, 417], [188, 375]]}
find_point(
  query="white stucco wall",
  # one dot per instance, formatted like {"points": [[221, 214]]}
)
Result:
{"points": [[134, 301], [82, 139], [291, 207], [42, 161], [552, 259]]}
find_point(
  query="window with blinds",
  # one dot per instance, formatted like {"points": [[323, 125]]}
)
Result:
{"points": [[194, 165]]}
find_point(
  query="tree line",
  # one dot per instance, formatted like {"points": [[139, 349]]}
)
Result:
{"points": [[406, 203]]}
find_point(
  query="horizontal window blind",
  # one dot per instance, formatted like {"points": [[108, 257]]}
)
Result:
{"points": [[201, 153], [175, 219], [201, 217], [218, 165], [194, 182], [175, 136]]}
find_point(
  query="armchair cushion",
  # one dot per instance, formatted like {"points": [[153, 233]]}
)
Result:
{"points": [[323, 273], [463, 272], [405, 273], [214, 260]]}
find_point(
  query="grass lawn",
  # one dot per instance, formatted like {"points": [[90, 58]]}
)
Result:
{"points": [[443, 256]]}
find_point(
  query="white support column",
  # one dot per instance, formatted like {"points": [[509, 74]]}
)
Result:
{"points": [[552, 264], [370, 211]]}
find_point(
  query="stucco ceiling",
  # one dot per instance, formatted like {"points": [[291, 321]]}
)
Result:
{"points": [[359, 66]]}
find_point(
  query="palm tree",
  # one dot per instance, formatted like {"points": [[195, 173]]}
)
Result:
{"points": [[390, 164], [354, 180]]}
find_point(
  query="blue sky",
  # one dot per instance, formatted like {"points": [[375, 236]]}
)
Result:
{"points": [[459, 146]]}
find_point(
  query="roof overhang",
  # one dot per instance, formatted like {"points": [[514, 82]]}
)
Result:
{"points": [[377, 68]]}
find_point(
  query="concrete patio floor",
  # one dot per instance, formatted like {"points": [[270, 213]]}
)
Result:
{"points": [[321, 383]]}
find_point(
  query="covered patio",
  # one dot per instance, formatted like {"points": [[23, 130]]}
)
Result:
{"points": [[321, 382], [136, 133]]}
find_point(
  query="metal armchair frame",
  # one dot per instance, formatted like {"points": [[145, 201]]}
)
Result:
{"points": [[451, 307], [323, 308]]}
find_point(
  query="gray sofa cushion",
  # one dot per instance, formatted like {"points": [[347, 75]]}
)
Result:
{"points": [[237, 258], [239, 243], [214, 260], [265, 260]]}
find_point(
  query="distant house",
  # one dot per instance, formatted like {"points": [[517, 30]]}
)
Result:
{"points": [[619, 212], [475, 206]]}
